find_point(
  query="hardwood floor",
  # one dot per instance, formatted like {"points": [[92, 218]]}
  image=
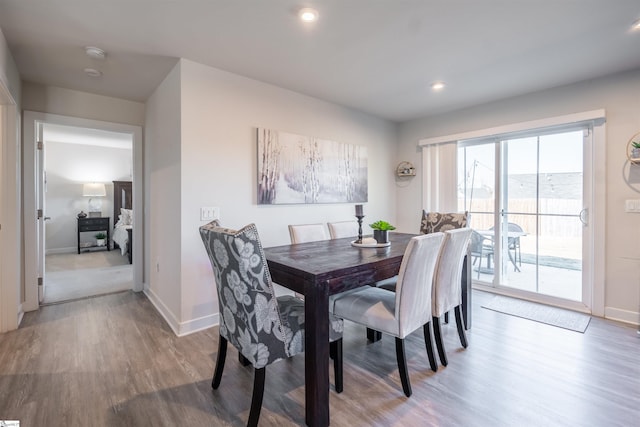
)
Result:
{"points": [[112, 361]]}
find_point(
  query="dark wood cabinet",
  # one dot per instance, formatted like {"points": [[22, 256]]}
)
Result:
{"points": [[95, 224]]}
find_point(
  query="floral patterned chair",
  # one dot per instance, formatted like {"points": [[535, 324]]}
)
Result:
{"points": [[433, 222], [262, 327]]}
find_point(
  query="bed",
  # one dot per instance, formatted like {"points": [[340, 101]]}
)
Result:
{"points": [[123, 215]]}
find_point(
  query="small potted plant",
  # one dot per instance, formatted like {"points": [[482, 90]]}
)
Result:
{"points": [[100, 238], [381, 231], [635, 150]]}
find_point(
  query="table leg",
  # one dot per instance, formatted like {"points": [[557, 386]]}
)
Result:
{"points": [[316, 305]]}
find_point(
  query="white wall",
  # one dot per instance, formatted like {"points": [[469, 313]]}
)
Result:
{"points": [[68, 167], [219, 116], [11, 245], [73, 103], [619, 96], [162, 166]]}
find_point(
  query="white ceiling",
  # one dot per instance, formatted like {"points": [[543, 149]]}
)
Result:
{"points": [[378, 56]]}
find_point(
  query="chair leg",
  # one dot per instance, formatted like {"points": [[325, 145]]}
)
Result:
{"points": [[256, 399], [461, 328], [336, 349], [222, 355], [426, 329], [439, 344], [243, 360], [373, 335], [402, 367]]}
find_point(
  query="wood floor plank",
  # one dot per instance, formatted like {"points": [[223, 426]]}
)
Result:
{"points": [[112, 361]]}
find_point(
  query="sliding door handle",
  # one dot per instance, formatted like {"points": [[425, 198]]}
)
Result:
{"points": [[584, 217]]}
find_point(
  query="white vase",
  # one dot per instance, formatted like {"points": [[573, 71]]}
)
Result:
{"points": [[635, 153], [100, 242]]}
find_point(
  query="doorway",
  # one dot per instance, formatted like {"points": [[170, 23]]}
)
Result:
{"points": [[34, 121], [528, 200], [78, 161]]}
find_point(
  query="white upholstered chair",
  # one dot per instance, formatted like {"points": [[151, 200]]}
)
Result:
{"points": [[409, 308], [447, 288], [338, 230], [302, 233]]}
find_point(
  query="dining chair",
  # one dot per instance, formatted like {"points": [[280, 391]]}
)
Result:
{"points": [[338, 230], [262, 327], [433, 222], [447, 288], [409, 308], [302, 233]]}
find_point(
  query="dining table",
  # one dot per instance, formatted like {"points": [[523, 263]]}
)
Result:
{"points": [[327, 267]]}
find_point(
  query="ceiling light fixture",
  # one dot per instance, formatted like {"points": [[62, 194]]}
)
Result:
{"points": [[92, 72], [308, 14], [94, 52], [437, 85], [635, 26]]}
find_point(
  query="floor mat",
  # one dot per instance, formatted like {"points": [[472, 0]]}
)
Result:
{"points": [[540, 313]]}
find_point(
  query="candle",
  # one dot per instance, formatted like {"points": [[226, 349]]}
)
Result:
{"points": [[358, 210]]}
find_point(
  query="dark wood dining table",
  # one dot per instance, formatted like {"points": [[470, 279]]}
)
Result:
{"points": [[327, 267]]}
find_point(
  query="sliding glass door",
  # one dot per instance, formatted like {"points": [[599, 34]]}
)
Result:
{"points": [[525, 196]]}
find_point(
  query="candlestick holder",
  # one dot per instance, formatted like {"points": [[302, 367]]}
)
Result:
{"points": [[359, 228]]}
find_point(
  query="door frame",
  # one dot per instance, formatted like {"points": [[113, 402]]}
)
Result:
{"points": [[433, 189], [31, 120], [10, 233]]}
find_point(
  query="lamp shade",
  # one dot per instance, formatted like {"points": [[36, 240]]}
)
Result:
{"points": [[94, 189]]}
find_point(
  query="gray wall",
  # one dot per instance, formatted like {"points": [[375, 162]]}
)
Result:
{"points": [[68, 167], [619, 96]]}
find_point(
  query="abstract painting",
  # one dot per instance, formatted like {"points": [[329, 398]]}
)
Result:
{"points": [[303, 169]]}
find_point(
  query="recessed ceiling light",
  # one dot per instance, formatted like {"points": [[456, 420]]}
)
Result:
{"points": [[92, 72], [437, 85], [308, 14], [635, 26], [94, 52]]}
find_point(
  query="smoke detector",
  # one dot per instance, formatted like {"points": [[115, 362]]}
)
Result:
{"points": [[94, 52], [92, 72]]}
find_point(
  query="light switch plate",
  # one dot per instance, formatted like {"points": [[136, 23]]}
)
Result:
{"points": [[209, 213]]}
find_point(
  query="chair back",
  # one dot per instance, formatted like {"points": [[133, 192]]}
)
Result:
{"points": [[476, 243], [447, 287], [302, 233], [249, 315], [338, 230], [415, 280], [433, 222]]}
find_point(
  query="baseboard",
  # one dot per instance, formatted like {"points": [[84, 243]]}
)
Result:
{"points": [[61, 251], [624, 316], [164, 311], [181, 328]]}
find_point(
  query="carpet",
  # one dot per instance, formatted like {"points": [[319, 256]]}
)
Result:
{"points": [[74, 284], [553, 316]]}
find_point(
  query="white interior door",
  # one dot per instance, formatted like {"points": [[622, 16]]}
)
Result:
{"points": [[40, 200]]}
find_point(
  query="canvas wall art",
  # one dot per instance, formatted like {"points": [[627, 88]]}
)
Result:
{"points": [[303, 169]]}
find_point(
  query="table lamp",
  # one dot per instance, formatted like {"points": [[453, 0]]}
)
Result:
{"points": [[95, 191]]}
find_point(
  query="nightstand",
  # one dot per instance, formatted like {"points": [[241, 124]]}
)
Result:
{"points": [[94, 224]]}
